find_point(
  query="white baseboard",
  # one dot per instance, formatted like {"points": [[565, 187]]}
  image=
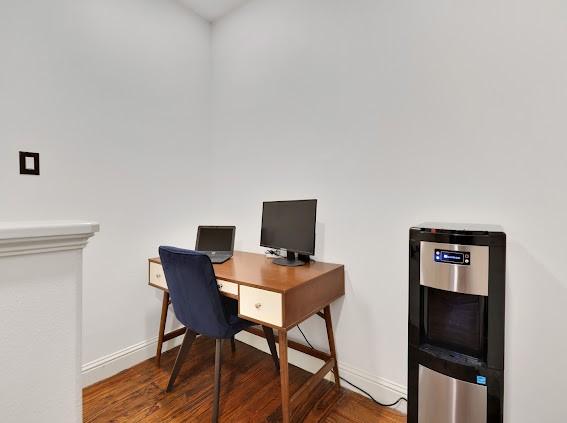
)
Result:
{"points": [[381, 389], [114, 363]]}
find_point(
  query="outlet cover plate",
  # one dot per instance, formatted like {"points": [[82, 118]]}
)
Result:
{"points": [[29, 163]]}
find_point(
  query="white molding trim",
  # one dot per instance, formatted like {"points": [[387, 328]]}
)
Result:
{"points": [[381, 389], [22, 238], [111, 364]]}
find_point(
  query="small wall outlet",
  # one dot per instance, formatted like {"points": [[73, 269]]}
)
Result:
{"points": [[29, 163]]}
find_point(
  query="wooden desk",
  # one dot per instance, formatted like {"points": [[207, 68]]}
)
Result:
{"points": [[276, 296]]}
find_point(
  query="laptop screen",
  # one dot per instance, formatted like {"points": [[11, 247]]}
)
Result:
{"points": [[215, 238]]}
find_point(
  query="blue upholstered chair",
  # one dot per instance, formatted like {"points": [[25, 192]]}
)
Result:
{"points": [[198, 304]]}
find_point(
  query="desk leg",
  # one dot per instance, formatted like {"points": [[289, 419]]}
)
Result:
{"points": [[164, 307], [284, 375], [331, 339]]}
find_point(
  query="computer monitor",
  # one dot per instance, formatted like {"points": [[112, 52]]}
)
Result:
{"points": [[290, 225]]}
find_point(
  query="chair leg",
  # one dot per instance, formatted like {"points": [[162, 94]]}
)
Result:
{"points": [[218, 358], [185, 347], [233, 344], [269, 333]]}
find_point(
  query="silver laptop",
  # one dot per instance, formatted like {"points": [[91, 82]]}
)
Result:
{"points": [[216, 241]]}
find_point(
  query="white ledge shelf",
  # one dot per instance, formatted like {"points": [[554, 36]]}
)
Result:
{"points": [[20, 238]]}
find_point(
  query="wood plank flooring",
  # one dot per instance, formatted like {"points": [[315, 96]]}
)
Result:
{"points": [[250, 392]]}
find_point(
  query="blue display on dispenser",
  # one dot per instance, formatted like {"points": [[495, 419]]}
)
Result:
{"points": [[452, 257]]}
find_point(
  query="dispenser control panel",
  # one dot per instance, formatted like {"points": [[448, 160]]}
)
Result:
{"points": [[453, 257]]}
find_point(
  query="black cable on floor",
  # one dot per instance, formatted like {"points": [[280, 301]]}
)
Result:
{"points": [[353, 385]]}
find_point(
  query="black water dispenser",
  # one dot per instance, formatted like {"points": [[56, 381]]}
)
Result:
{"points": [[456, 323]]}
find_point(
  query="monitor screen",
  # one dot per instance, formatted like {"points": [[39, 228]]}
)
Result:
{"points": [[289, 225], [215, 238]]}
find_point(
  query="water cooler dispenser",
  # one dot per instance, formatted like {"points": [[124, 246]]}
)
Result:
{"points": [[456, 323]]}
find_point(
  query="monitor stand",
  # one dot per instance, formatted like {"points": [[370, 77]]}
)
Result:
{"points": [[291, 260]]}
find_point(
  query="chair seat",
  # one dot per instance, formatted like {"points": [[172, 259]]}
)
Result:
{"points": [[236, 323]]}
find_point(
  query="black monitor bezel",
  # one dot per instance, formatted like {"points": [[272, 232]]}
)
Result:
{"points": [[309, 253], [215, 227]]}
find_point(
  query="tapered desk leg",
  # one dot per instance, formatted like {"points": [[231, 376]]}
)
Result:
{"points": [[331, 338], [284, 375], [164, 307]]}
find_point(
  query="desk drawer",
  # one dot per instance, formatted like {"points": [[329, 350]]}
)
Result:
{"points": [[228, 287], [261, 305], [157, 277]]}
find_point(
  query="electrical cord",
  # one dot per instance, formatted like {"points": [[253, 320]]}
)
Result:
{"points": [[277, 253], [274, 252], [353, 385]]}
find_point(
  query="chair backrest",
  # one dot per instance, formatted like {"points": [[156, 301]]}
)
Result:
{"points": [[193, 290]]}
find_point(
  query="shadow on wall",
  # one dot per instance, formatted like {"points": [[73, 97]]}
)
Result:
{"points": [[314, 327], [536, 339], [365, 319], [320, 239]]}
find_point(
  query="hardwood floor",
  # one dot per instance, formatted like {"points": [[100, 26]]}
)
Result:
{"points": [[250, 392]]}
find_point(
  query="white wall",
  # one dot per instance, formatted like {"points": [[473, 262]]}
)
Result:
{"points": [[396, 112], [40, 337], [115, 98]]}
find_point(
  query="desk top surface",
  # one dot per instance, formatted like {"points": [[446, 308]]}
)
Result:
{"points": [[257, 270]]}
